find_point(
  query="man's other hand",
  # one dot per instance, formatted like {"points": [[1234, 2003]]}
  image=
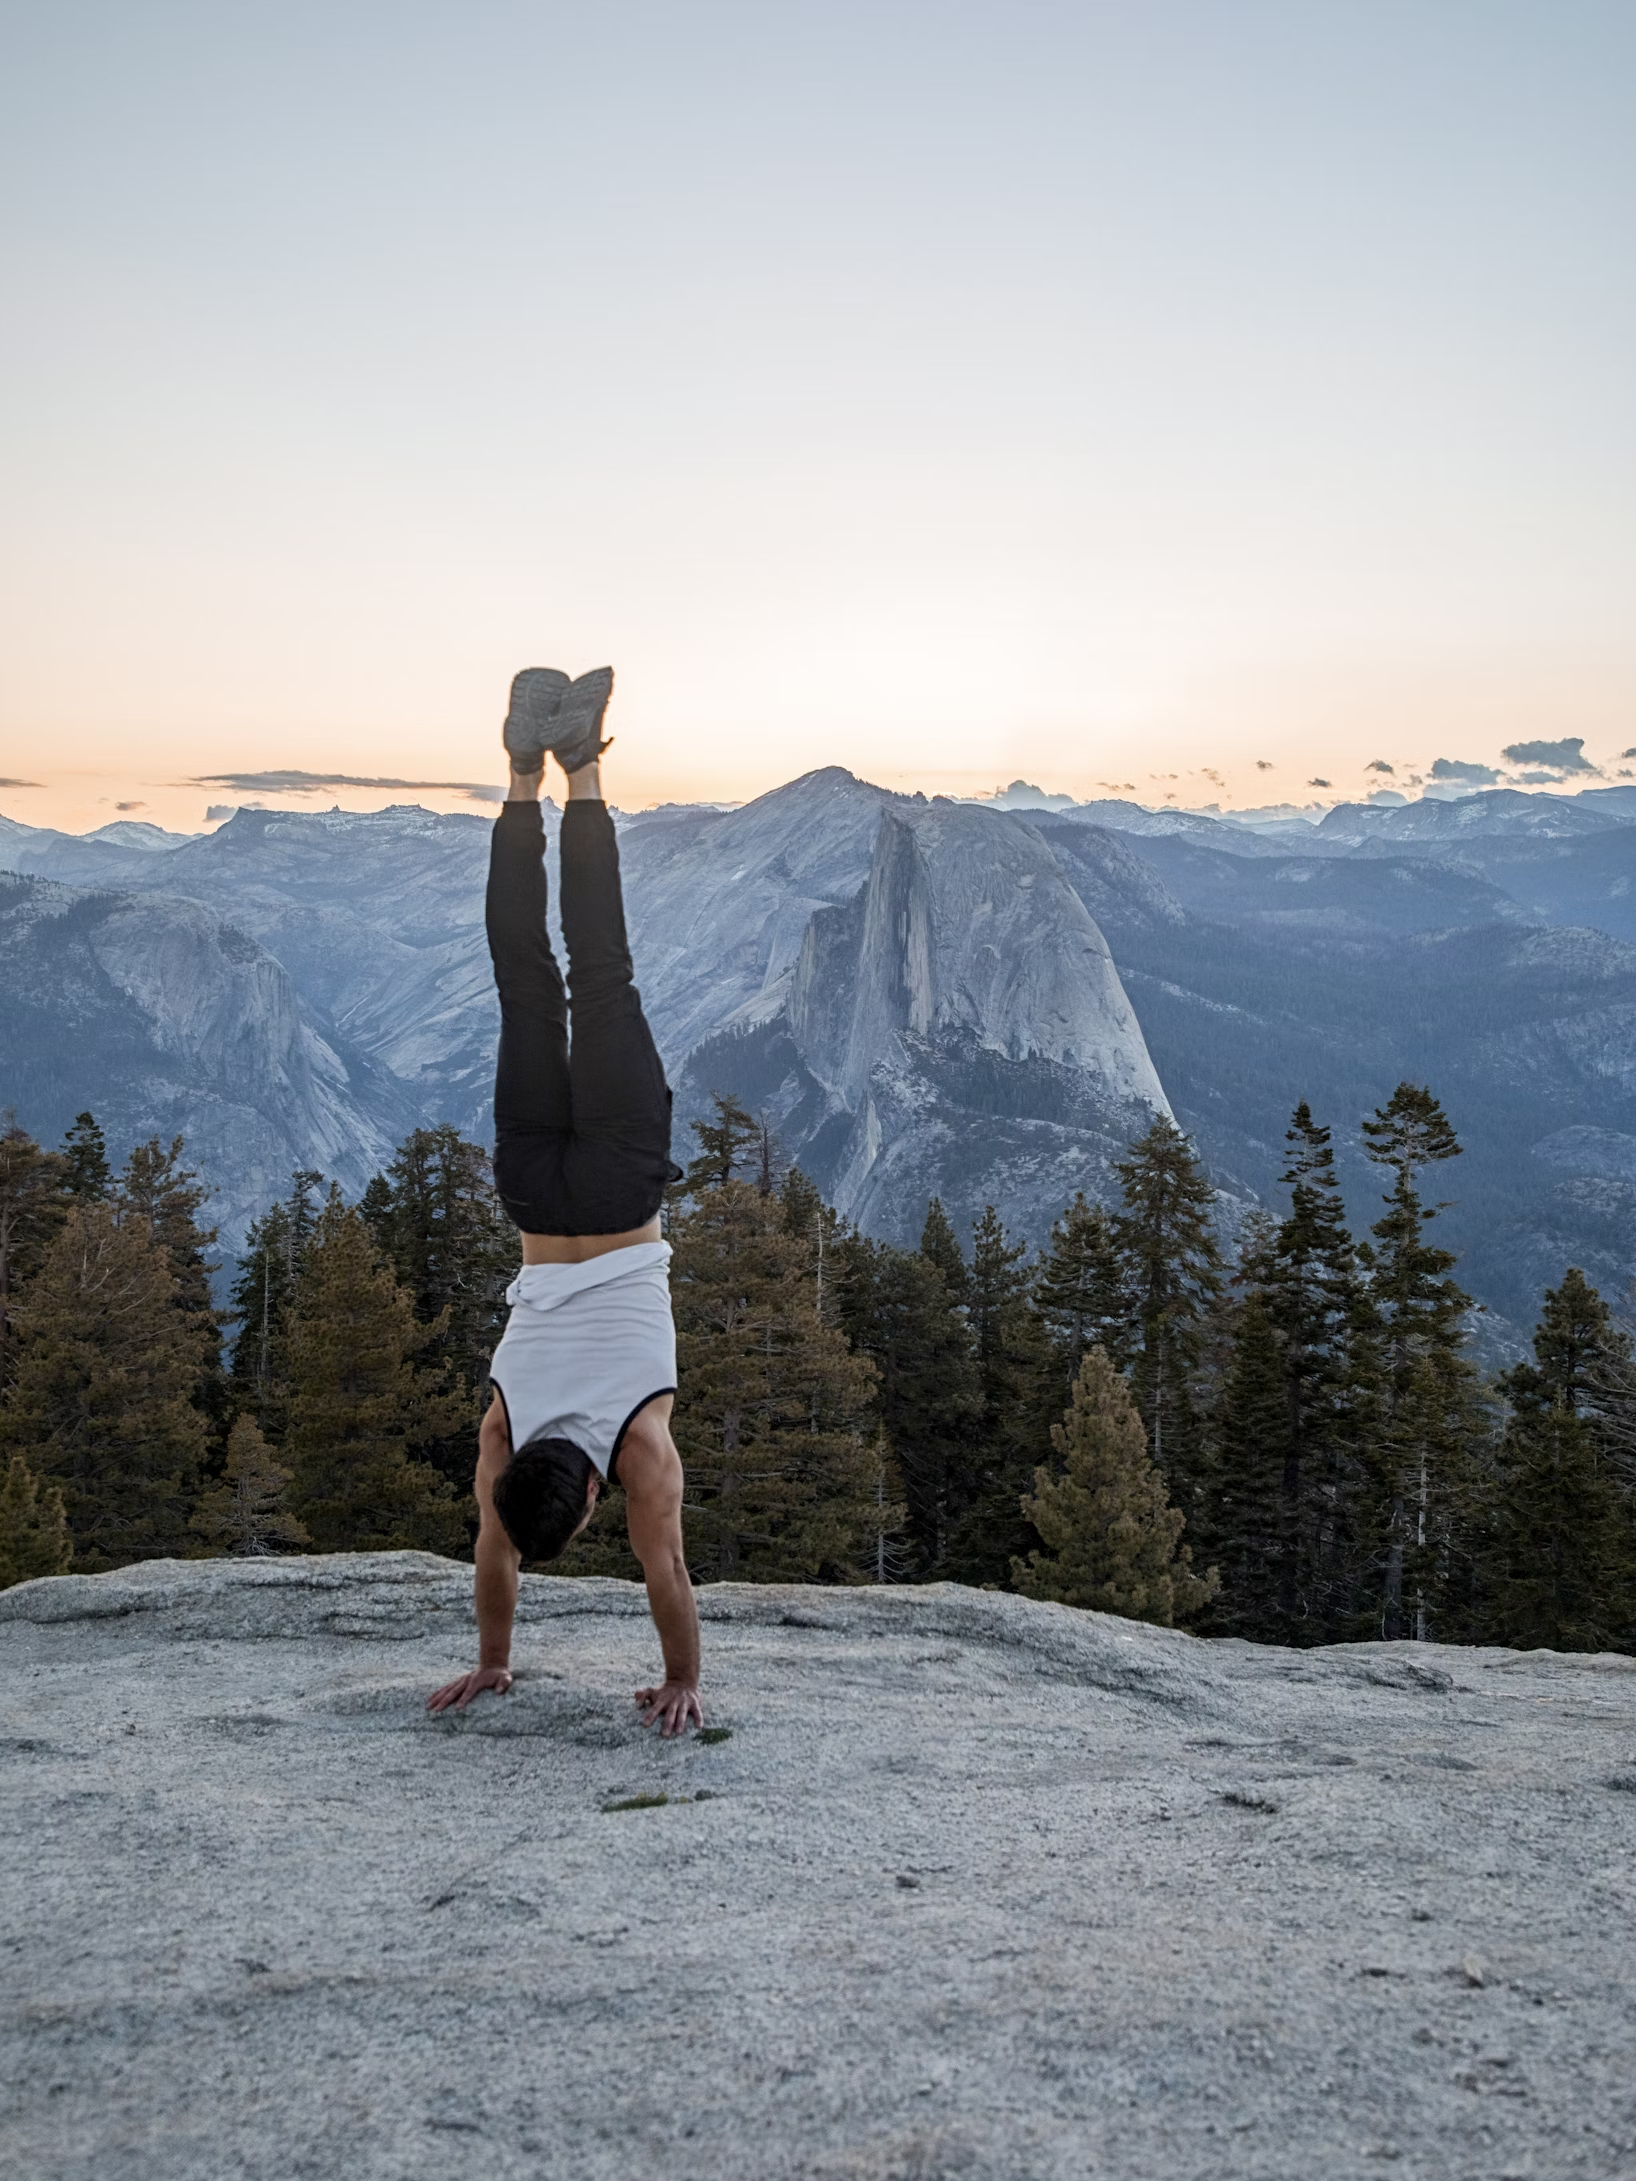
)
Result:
{"points": [[456, 1695], [671, 1707]]}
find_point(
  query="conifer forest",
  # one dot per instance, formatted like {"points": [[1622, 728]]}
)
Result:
{"points": [[1289, 1440]]}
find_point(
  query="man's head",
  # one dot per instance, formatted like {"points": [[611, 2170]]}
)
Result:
{"points": [[545, 1495]]}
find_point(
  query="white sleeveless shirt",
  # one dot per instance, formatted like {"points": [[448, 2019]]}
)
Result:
{"points": [[587, 1346]]}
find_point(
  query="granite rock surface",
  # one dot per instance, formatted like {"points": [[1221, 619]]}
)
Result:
{"points": [[962, 1886]]}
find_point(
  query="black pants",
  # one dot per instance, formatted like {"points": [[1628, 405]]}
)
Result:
{"points": [[582, 1130]]}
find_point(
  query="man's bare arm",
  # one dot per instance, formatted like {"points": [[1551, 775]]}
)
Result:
{"points": [[498, 1561], [651, 1470]]}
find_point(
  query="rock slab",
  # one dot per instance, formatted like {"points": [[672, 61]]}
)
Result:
{"points": [[968, 1887]]}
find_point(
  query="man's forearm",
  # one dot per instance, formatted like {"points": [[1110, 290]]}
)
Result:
{"points": [[496, 1590], [675, 1616]]}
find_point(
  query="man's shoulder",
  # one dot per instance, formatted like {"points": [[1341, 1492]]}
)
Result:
{"points": [[648, 1462]]}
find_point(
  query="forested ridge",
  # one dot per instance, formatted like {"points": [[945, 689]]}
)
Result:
{"points": [[1289, 1443]]}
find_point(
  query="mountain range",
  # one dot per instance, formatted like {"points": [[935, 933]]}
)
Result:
{"points": [[923, 995]]}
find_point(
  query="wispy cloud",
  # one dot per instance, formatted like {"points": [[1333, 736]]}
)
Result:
{"points": [[1318, 783], [1568, 755], [291, 782], [22, 783], [130, 806], [1264, 764], [1379, 764]]}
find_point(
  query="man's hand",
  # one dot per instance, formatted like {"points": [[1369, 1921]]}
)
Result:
{"points": [[458, 1694], [671, 1707]]}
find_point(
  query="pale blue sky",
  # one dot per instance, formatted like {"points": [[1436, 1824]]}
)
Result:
{"points": [[1093, 392]]}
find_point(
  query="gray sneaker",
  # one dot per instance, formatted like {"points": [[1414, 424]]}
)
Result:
{"points": [[536, 703], [576, 729]]}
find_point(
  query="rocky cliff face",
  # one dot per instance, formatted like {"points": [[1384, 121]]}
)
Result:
{"points": [[169, 1020], [963, 1002], [912, 989]]}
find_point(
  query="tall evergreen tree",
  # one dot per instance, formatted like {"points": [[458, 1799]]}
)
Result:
{"points": [[1429, 1425], [1560, 1564], [768, 1158], [34, 1539], [1166, 1236], [1080, 1289], [104, 1401], [940, 1245], [821, 1232], [247, 1513], [360, 1407], [729, 1146], [31, 1211], [1305, 1272], [1613, 1397], [86, 1172], [1080, 1298], [990, 1530], [1558, 1571], [275, 1251], [1247, 1517], [895, 1310], [1110, 1540], [436, 1219], [1577, 1346], [773, 1417], [162, 1197]]}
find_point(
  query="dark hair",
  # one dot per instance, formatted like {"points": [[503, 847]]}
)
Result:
{"points": [[540, 1495]]}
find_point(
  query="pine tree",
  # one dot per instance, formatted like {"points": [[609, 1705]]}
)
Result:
{"points": [[1560, 1563], [275, 1251], [31, 1211], [1429, 1427], [1560, 1573], [1166, 1237], [822, 1233], [162, 1197], [1080, 1296], [773, 1417], [359, 1408], [436, 1218], [105, 1396], [770, 1163], [1612, 1398], [86, 1172], [1110, 1538], [940, 1246], [1577, 1345], [1248, 1517], [895, 1310], [1307, 1275], [729, 1145], [246, 1513], [989, 1530], [34, 1539]]}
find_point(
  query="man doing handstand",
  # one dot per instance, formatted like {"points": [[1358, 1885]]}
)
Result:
{"points": [[585, 1374]]}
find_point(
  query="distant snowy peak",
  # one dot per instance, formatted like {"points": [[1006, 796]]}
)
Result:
{"points": [[138, 833], [1494, 813]]}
